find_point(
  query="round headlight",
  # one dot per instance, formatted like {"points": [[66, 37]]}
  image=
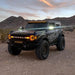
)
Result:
{"points": [[32, 37]]}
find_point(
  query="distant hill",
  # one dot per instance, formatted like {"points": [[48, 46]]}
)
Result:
{"points": [[65, 21], [15, 22]]}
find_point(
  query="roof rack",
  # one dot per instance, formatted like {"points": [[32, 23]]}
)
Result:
{"points": [[37, 22]]}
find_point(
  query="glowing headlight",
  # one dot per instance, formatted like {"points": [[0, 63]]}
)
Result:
{"points": [[51, 27], [31, 37]]}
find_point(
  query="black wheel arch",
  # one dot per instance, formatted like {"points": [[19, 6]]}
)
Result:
{"points": [[46, 39], [42, 39], [61, 34]]}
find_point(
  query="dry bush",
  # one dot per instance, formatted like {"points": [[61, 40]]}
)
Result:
{"points": [[4, 34]]}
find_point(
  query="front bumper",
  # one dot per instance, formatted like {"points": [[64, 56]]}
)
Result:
{"points": [[25, 45]]}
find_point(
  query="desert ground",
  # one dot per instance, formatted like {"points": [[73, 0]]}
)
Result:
{"points": [[58, 62]]}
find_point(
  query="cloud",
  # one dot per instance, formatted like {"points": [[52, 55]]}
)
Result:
{"points": [[64, 3], [36, 9], [46, 2], [39, 5], [23, 14]]}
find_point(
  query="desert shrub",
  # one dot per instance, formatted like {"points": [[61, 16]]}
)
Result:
{"points": [[3, 37], [4, 34]]}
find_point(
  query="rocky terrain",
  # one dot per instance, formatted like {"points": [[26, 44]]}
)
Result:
{"points": [[65, 21]]}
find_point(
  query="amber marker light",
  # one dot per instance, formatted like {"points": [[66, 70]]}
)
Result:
{"points": [[35, 37]]}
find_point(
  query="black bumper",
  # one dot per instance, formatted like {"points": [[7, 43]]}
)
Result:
{"points": [[26, 45]]}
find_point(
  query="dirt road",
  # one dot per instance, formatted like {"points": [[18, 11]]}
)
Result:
{"points": [[58, 63]]}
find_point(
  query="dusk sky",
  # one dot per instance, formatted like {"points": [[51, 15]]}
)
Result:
{"points": [[36, 9]]}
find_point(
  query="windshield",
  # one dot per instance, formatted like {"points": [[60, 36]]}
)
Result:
{"points": [[36, 25]]}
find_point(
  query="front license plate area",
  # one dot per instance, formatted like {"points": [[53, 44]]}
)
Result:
{"points": [[18, 41]]}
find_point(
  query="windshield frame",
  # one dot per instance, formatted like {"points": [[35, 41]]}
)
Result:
{"points": [[36, 26], [40, 28]]}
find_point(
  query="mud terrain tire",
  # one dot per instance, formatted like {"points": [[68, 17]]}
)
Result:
{"points": [[60, 43], [42, 51], [13, 50]]}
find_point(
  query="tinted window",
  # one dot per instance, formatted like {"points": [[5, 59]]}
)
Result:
{"points": [[35, 25], [57, 25], [51, 24]]}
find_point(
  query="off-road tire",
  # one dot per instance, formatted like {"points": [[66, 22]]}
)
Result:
{"points": [[60, 43], [13, 50], [42, 51]]}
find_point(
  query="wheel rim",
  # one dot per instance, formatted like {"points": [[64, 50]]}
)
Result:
{"points": [[44, 50]]}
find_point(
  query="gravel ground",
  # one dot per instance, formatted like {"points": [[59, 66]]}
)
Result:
{"points": [[58, 63]]}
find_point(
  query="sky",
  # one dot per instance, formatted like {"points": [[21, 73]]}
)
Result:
{"points": [[36, 9]]}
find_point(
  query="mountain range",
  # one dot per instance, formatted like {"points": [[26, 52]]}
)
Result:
{"points": [[15, 22]]}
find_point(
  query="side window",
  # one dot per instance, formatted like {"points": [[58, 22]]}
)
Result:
{"points": [[51, 24], [57, 24]]}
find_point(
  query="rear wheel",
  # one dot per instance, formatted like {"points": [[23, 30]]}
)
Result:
{"points": [[42, 51], [13, 50], [60, 43]]}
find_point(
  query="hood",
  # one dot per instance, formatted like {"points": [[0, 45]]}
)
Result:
{"points": [[28, 32], [23, 32]]}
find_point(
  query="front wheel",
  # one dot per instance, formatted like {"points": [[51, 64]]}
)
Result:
{"points": [[13, 50], [42, 51]]}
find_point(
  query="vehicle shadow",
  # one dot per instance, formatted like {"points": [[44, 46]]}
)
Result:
{"points": [[32, 56], [28, 55]]}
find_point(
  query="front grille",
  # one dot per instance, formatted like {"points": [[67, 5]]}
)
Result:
{"points": [[18, 37], [20, 34]]}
